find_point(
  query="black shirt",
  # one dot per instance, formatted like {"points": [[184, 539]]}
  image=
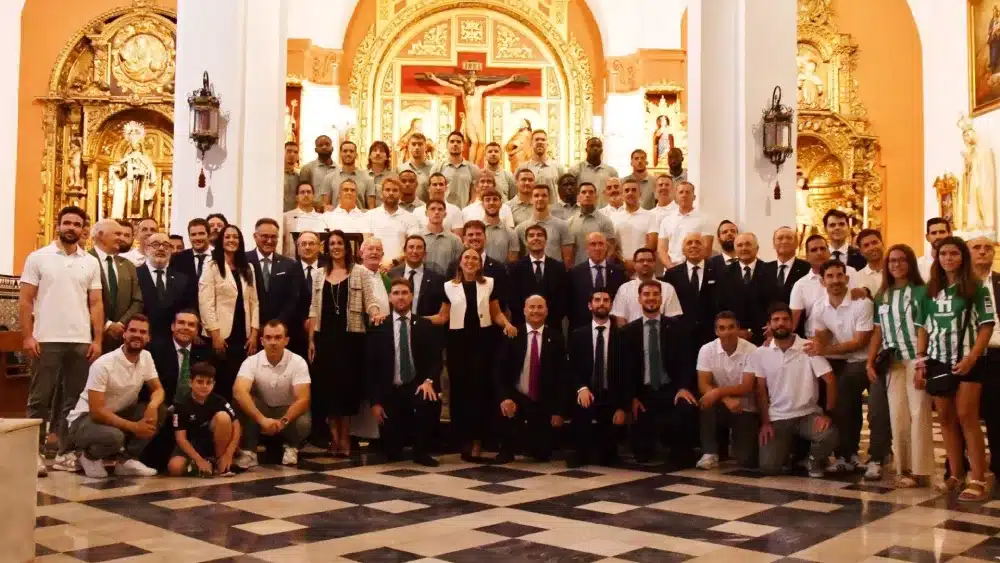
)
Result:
{"points": [[471, 303], [196, 418]]}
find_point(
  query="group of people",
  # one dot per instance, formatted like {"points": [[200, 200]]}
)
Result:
{"points": [[607, 311]]}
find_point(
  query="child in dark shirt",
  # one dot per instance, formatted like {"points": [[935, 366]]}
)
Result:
{"points": [[205, 428]]}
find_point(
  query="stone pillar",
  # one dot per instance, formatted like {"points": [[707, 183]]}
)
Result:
{"points": [[738, 52], [10, 44]]}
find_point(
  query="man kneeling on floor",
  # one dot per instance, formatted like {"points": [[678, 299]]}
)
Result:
{"points": [[272, 392], [205, 429], [108, 421]]}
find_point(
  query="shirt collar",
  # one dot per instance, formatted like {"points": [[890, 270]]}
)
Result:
{"points": [[701, 265], [152, 268], [528, 329], [752, 265], [419, 269], [459, 165], [315, 265], [797, 342], [178, 347], [594, 324], [789, 263], [261, 257], [603, 263], [845, 304], [101, 255], [281, 363], [599, 166], [613, 208], [341, 210], [842, 249], [396, 316]]}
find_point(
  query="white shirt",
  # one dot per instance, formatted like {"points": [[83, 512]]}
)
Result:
{"points": [[853, 315], [727, 370], [659, 212], [842, 250], [102, 259], [353, 221], [306, 265], [870, 279], [631, 229], [809, 290], [611, 212], [539, 261], [752, 266], [924, 264], [678, 225], [476, 212], [790, 377], [626, 305], [119, 379], [453, 217], [275, 385], [135, 257], [378, 288], [397, 374], [607, 339], [788, 267], [194, 259], [418, 277], [62, 310], [524, 381], [593, 271], [391, 229], [701, 272]]}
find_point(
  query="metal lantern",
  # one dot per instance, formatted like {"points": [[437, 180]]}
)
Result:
{"points": [[204, 127], [778, 121]]}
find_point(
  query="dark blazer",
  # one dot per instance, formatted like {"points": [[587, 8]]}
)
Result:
{"points": [[553, 288], [854, 258], [282, 299], [431, 288], [700, 307], [678, 354], [491, 269], [719, 262], [581, 367], [749, 301], [581, 286], [799, 269], [182, 293], [380, 350], [164, 355], [511, 356], [185, 263]]}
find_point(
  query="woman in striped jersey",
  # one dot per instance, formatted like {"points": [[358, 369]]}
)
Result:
{"points": [[953, 290], [896, 304]]}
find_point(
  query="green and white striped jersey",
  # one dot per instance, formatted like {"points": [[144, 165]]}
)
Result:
{"points": [[896, 312], [941, 316]]}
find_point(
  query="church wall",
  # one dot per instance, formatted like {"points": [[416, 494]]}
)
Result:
{"points": [[891, 76], [43, 38]]}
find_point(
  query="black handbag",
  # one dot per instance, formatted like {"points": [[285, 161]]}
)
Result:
{"points": [[883, 360], [941, 382]]}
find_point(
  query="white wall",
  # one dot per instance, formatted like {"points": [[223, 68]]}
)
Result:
{"points": [[10, 45], [322, 21]]}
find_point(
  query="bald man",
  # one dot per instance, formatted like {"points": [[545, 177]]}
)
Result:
{"points": [[787, 269], [748, 289], [595, 272], [696, 281]]}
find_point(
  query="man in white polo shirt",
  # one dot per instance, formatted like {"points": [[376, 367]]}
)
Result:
{"points": [[347, 216], [636, 227], [272, 392], [788, 397], [676, 226], [626, 307], [809, 289], [727, 397], [437, 188], [60, 307], [390, 223]]}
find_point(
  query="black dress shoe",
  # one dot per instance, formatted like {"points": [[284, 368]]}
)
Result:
{"points": [[504, 457], [425, 460], [469, 458]]}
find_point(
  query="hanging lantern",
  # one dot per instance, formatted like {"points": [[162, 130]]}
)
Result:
{"points": [[204, 128], [778, 121]]}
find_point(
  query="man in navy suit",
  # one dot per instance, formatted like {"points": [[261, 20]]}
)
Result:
{"points": [[191, 261], [696, 281], [838, 230], [428, 283], [165, 291], [279, 278], [787, 269], [537, 274], [596, 273], [748, 289]]}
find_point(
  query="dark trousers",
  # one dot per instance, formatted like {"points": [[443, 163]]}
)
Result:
{"points": [[408, 416], [666, 423], [593, 430], [991, 405], [529, 431], [852, 381], [61, 372]]}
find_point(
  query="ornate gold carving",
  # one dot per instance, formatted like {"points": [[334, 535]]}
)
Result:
{"points": [[946, 187], [433, 44], [509, 45], [143, 54], [472, 31], [552, 84], [323, 65]]}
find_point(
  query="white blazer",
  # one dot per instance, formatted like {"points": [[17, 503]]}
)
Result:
{"points": [[456, 295], [217, 301]]}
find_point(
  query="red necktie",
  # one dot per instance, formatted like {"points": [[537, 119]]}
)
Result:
{"points": [[535, 369]]}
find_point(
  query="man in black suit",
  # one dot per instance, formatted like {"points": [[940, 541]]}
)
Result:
{"points": [[474, 236], [596, 273], [403, 374], [279, 278], [660, 358], [530, 385], [428, 282], [838, 230], [595, 380], [697, 284], [748, 289], [191, 261], [726, 233], [537, 274], [787, 269], [165, 291]]}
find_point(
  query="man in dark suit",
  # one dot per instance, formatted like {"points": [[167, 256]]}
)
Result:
{"points": [[601, 394], [474, 236], [530, 385], [660, 358], [596, 273], [403, 375], [428, 283], [279, 278], [787, 269], [191, 261], [537, 274], [119, 284], [726, 233], [164, 290], [838, 230], [697, 284], [748, 289]]}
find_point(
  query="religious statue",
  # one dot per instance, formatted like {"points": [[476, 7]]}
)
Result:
{"points": [[811, 87], [518, 148], [803, 211], [290, 125], [663, 141], [139, 175], [977, 198], [667, 129], [403, 146], [118, 191], [74, 176], [474, 124]]}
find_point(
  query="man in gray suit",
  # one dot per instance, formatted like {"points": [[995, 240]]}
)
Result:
{"points": [[119, 282]]}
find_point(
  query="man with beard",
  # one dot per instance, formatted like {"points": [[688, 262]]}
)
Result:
{"points": [[675, 164], [521, 206], [626, 307], [659, 356], [419, 164], [547, 172], [538, 274], [217, 222], [809, 290], [589, 220], [592, 170], [390, 223], [120, 292], [567, 206], [165, 291], [838, 230], [191, 261], [460, 174], [937, 229], [108, 417], [788, 397], [291, 182], [348, 170], [501, 240], [726, 233], [647, 184], [408, 191], [127, 238], [504, 180], [62, 317], [314, 172], [615, 197], [137, 255]]}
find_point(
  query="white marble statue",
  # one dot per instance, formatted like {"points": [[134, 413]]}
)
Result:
{"points": [[979, 183]]}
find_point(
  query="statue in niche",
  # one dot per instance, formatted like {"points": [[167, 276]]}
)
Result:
{"points": [[663, 140], [118, 190], [803, 211], [139, 175], [291, 126], [811, 87], [74, 176], [977, 198], [518, 148]]}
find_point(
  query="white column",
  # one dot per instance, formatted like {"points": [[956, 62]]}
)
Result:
{"points": [[317, 114], [624, 123], [737, 53], [10, 43]]}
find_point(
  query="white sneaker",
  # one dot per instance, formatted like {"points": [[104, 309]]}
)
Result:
{"points": [[93, 468], [874, 471], [858, 464], [815, 467], [246, 459], [43, 470], [68, 461], [841, 465], [708, 461], [134, 467], [290, 457]]}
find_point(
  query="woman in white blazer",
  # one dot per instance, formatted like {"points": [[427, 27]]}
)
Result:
{"points": [[227, 300], [472, 313]]}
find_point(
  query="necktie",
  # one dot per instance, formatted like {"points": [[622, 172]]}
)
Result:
{"points": [[746, 274], [161, 287], [535, 369], [112, 280], [538, 272], [412, 274], [600, 377], [413, 282], [201, 262], [184, 378], [653, 350], [309, 278], [837, 254], [695, 282], [599, 277], [266, 267], [781, 274], [405, 366]]}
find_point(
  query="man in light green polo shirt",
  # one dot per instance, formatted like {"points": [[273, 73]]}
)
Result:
{"points": [[559, 243]]}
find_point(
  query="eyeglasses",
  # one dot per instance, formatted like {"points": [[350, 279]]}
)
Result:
{"points": [[159, 245]]}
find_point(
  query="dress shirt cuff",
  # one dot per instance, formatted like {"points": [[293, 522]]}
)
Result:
{"points": [[581, 389], [107, 324]]}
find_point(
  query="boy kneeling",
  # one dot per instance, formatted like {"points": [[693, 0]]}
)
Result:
{"points": [[205, 428]]}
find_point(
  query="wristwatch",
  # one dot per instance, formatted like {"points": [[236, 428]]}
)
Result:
{"points": [[284, 421]]}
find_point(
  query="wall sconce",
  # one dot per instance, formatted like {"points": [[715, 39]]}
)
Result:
{"points": [[778, 121], [204, 105]]}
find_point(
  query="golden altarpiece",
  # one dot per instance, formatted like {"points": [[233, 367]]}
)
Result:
{"points": [[494, 69], [108, 119], [837, 152]]}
